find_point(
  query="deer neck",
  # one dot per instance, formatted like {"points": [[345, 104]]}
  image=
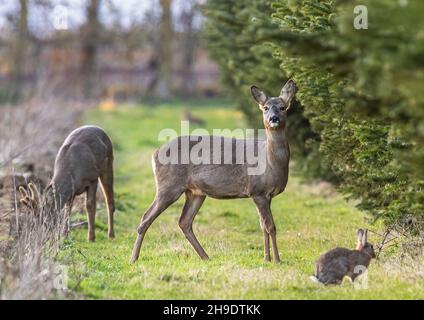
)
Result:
{"points": [[278, 151], [63, 187]]}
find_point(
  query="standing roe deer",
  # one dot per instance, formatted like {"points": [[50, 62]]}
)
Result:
{"points": [[226, 181], [85, 157]]}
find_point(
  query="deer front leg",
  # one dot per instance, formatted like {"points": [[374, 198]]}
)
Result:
{"points": [[267, 253], [90, 205], [68, 211], [263, 204], [273, 233]]}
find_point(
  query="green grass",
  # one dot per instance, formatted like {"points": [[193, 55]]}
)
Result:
{"points": [[307, 225]]}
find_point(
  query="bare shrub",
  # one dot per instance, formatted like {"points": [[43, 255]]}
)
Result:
{"points": [[34, 131], [30, 136], [30, 271]]}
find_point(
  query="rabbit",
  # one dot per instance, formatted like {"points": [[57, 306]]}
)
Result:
{"points": [[334, 265]]}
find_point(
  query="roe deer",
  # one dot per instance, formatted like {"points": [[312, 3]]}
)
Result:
{"points": [[226, 181], [188, 116], [85, 157]]}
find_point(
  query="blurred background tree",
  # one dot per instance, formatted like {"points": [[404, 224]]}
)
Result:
{"points": [[90, 34], [95, 48], [164, 83], [20, 50]]}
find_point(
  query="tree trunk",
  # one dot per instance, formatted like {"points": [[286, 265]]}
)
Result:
{"points": [[90, 39], [188, 47], [164, 83], [19, 54]]}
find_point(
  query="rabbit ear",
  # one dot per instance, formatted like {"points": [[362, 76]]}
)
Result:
{"points": [[365, 237], [360, 234]]}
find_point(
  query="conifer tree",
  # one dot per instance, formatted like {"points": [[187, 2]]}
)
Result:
{"points": [[361, 97]]}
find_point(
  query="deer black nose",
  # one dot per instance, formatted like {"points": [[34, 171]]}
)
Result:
{"points": [[274, 119]]}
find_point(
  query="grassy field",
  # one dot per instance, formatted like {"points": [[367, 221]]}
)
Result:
{"points": [[308, 223]]}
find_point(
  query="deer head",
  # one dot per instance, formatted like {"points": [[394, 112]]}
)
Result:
{"points": [[274, 109]]}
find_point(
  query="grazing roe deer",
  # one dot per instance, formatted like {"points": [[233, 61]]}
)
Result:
{"points": [[85, 158], [226, 181], [188, 116]]}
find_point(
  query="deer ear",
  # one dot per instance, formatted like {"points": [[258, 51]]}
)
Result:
{"points": [[259, 96], [35, 194], [288, 92], [25, 198], [23, 192]]}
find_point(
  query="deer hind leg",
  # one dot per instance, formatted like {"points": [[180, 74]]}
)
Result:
{"points": [[263, 205], [90, 205], [160, 204], [106, 183], [191, 208]]}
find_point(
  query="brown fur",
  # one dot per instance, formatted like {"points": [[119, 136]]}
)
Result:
{"points": [[188, 116], [225, 181], [85, 158], [337, 263]]}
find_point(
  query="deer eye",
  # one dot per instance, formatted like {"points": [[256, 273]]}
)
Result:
{"points": [[282, 108], [266, 108]]}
